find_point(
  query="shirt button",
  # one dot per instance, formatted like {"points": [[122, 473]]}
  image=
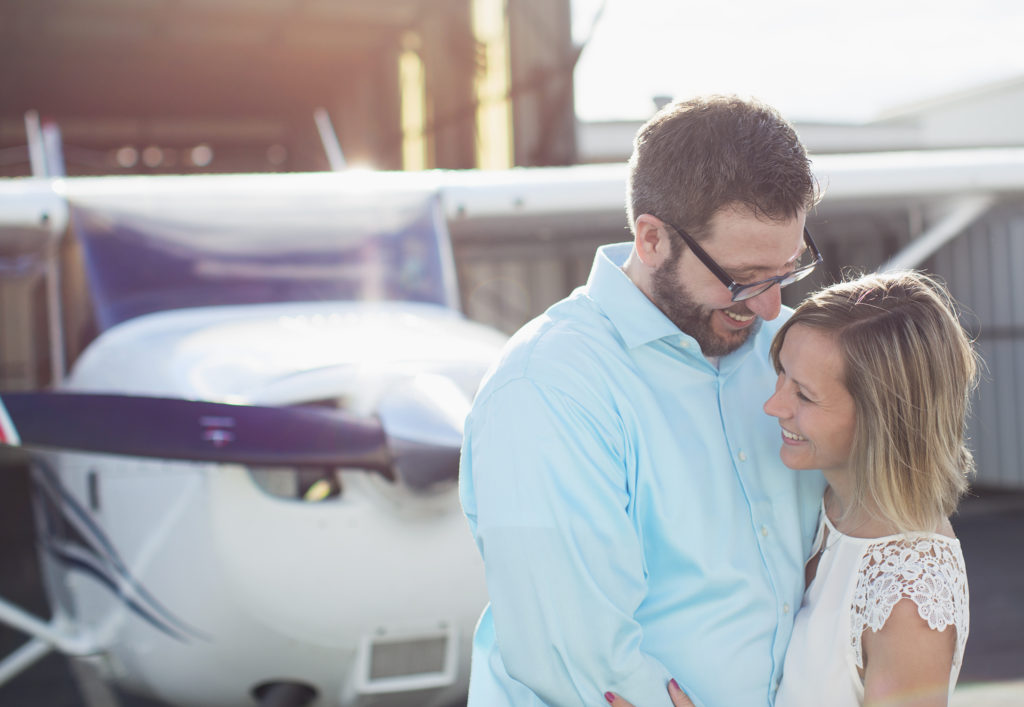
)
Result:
{"points": [[742, 456], [785, 608], [764, 530], [684, 344]]}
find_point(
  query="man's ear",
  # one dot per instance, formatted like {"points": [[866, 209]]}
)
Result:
{"points": [[652, 240]]}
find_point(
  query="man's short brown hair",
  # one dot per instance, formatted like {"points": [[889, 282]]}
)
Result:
{"points": [[698, 156]]}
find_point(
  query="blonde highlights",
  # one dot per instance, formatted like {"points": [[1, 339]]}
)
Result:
{"points": [[910, 369]]}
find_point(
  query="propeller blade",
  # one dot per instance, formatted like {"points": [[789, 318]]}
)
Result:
{"points": [[170, 428]]}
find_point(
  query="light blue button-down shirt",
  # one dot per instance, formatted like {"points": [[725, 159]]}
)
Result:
{"points": [[634, 517]]}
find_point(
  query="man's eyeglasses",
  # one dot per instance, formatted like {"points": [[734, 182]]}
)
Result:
{"points": [[753, 289]]}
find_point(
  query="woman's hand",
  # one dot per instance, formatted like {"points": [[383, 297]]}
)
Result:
{"points": [[679, 698]]}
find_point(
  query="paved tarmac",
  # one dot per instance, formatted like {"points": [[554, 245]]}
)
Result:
{"points": [[992, 694], [990, 526], [991, 531]]}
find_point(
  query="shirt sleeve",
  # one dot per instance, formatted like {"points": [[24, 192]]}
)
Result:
{"points": [[928, 571], [564, 563]]}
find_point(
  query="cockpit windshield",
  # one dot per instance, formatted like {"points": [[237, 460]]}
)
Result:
{"points": [[173, 249]]}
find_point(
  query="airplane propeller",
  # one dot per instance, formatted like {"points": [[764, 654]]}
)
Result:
{"points": [[195, 430]]}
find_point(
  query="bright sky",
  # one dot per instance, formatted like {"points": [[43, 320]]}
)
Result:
{"points": [[834, 60]]}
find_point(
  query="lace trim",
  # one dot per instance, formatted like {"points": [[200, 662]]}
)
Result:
{"points": [[926, 570]]}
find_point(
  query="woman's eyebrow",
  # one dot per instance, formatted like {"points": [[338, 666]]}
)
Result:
{"points": [[797, 383], [808, 391]]}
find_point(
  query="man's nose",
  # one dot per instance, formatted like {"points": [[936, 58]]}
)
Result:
{"points": [[768, 304]]}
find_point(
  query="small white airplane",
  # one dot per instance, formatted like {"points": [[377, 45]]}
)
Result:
{"points": [[245, 485]]}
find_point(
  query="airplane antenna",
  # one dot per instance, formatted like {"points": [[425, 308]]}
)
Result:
{"points": [[332, 147], [36, 146], [52, 149], [44, 148]]}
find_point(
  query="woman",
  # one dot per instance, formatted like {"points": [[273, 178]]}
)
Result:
{"points": [[874, 381]]}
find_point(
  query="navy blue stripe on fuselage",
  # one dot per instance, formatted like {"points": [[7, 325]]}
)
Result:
{"points": [[93, 540], [80, 564]]}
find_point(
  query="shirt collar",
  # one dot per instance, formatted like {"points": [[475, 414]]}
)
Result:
{"points": [[639, 322], [635, 317]]}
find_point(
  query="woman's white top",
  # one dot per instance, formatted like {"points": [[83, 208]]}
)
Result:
{"points": [[858, 582]]}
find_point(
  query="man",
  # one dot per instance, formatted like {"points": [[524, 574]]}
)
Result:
{"points": [[620, 478]]}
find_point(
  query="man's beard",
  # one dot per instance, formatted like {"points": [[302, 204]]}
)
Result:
{"points": [[676, 303]]}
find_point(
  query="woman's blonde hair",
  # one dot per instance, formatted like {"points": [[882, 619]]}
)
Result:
{"points": [[910, 369]]}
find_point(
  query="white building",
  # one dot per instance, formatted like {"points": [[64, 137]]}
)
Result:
{"points": [[990, 115]]}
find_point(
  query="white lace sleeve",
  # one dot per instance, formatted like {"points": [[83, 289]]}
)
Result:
{"points": [[929, 570]]}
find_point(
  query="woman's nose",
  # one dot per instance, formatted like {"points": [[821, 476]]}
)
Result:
{"points": [[773, 405]]}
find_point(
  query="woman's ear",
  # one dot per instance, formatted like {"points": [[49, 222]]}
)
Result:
{"points": [[652, 240]]}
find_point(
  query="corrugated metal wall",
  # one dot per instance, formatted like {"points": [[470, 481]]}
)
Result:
{"points": [[23, 352], [506, 287], [984, 269]]}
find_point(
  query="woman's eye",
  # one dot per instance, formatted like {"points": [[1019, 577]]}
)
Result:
{"points": [[802, 396]]}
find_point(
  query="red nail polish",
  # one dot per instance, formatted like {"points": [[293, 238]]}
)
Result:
{"points": [[610, 697], [674, 684]]}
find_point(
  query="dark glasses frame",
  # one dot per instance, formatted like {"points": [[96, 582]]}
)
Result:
{"points": [[753, 289]]}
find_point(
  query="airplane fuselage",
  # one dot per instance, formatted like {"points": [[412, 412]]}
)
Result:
{"points": [[203, 583]]}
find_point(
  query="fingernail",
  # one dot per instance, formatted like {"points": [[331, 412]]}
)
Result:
{"points": [[610, 697], [674, 684]]}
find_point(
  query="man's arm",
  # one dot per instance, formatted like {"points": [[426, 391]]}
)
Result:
{"points": [[565, 568]]}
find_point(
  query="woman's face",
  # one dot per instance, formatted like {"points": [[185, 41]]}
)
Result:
{"points": [[814, 408]]}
